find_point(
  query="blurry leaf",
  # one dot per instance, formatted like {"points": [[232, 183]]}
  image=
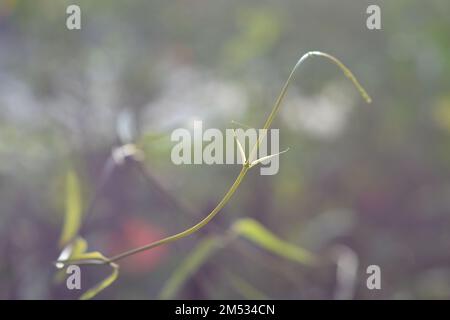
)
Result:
{"points": [[244, 288], [79, 246], [441, 113], [89, 256], [72, 219], [75, 248], [102, 285], [241, 149], [75, 253], [189, 266], [259, 235]]}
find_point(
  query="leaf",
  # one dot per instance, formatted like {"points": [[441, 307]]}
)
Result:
{"points": [[76, 247], [72, 219], [88, 258], [79, 246], [204, 250], [241, 149], [257, 161], [75, 254], [259, 235], [102, 285]]}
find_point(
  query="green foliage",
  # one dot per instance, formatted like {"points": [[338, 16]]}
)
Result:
{"points": [[75, 253], [248, 229], [103, 284], [72, 218], [260, 236], [247, 290], [75, 250], [202, 252]]}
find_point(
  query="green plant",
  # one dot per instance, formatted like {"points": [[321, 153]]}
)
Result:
{"points": [[245, 228], [75, 251]]}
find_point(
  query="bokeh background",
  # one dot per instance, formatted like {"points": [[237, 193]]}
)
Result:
{"points": [[366, 184]]}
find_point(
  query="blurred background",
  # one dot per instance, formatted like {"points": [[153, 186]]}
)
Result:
{"points": [[365, 184]]}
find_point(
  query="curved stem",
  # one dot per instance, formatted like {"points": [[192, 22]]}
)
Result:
{"points": [[282, 94], [246, 167]]}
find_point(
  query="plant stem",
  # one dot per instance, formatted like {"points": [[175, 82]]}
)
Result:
{"points": [[282, 94]]}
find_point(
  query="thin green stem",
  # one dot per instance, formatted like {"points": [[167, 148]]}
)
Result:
{"points": [[246, 166]]}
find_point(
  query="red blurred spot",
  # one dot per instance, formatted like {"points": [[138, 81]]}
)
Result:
{"points": [[136, 232]]}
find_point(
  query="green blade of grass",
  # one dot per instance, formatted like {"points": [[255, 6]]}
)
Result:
{"points": [[77, 247], [103, 284], [72, 218], [247, 290], [202, 252], [75, 254], [260, 236]]}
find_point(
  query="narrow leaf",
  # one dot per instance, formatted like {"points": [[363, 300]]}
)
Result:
{"points": [[75, 248], [75, 253], [244, 288], [72, 219], [88, 258], [204, 250], [259, 235], [241, 149], [102, 285], [257, 161]]}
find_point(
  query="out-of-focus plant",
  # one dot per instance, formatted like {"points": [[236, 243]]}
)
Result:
{"points": [[75, 247]]}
